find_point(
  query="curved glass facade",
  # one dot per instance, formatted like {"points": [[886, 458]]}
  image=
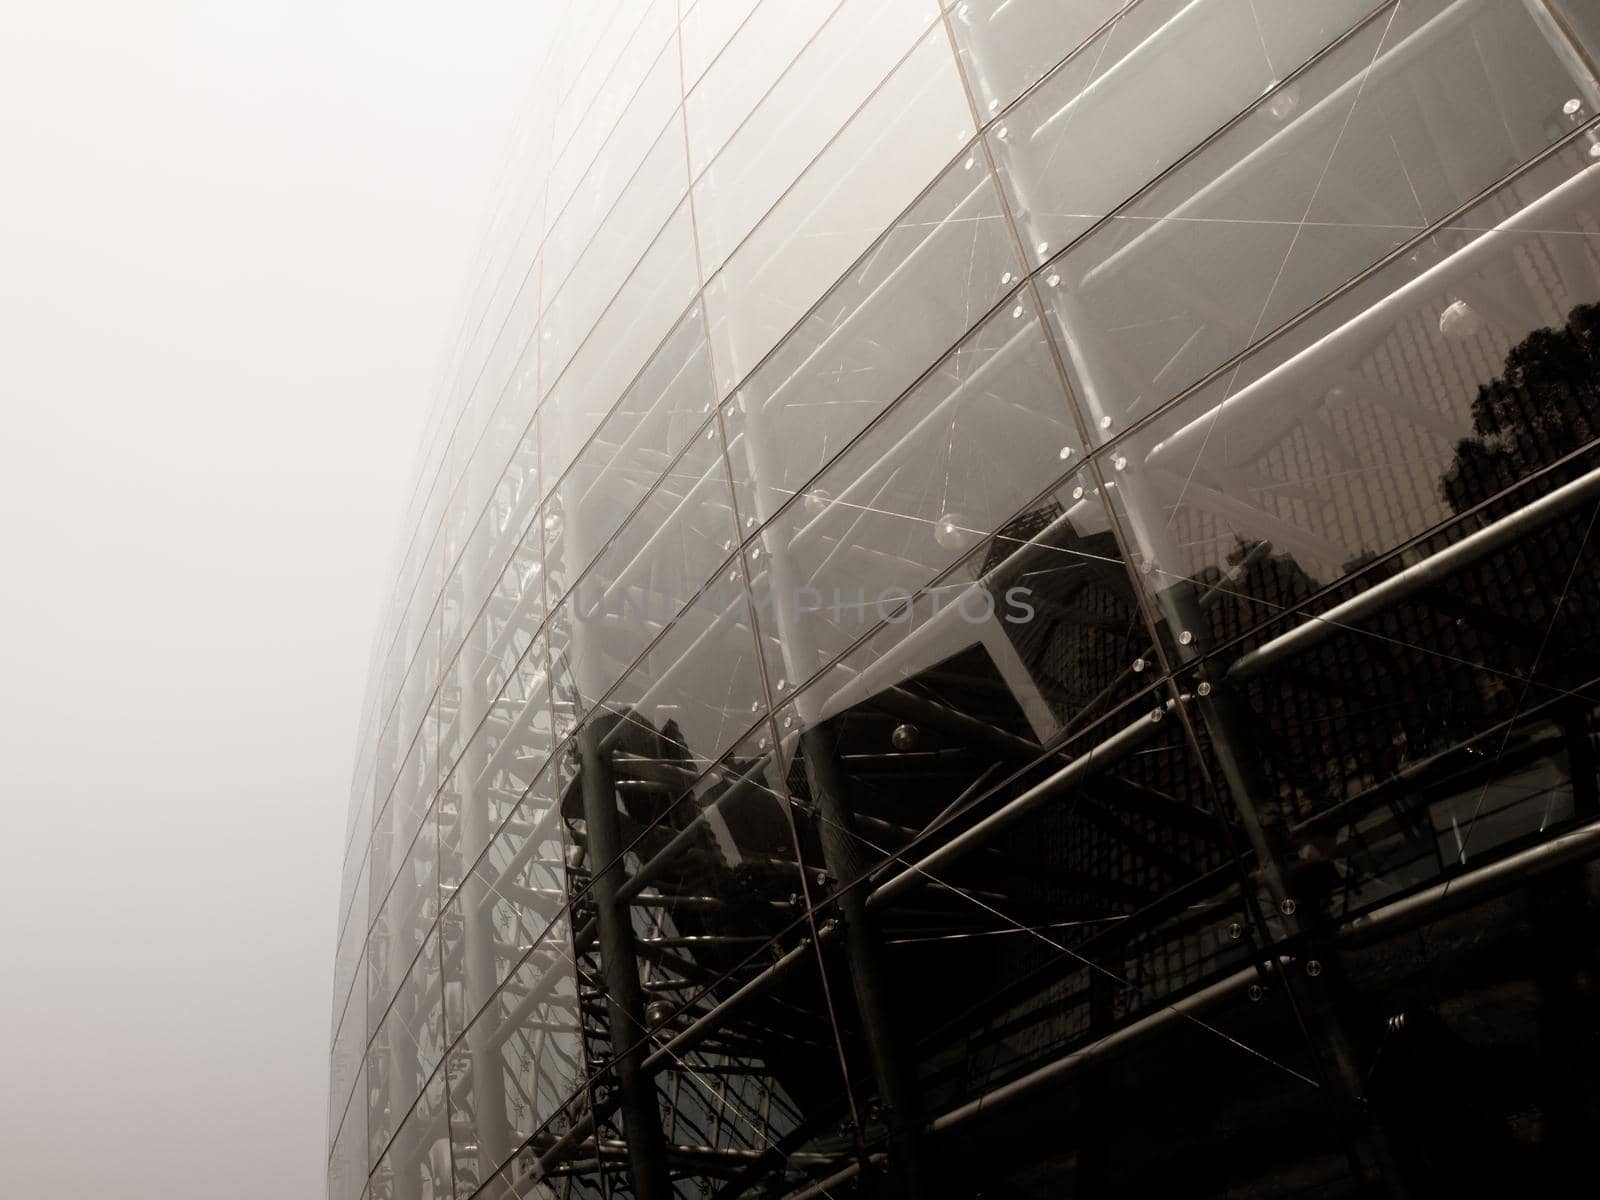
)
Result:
{"points": [[1000, 600]]}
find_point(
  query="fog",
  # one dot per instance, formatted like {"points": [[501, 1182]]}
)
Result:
{"points": [[233, 237]]}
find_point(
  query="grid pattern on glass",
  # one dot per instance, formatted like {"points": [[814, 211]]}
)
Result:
{"points": [[959, 538]]}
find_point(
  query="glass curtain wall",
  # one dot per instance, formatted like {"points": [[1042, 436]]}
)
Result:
{"points": [[999, 600]]}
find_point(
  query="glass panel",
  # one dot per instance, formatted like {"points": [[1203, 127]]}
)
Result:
{"points": [[410, 672], [1145, 93], [503, 454], [405, 1048], [1172, 1111], [577, 314], [391, 754], [964, 693], [761, 51], [649, 570], [594, 42], [391, 668], [397, 826], [347, 1169], [517, 291], [616, 239], [955, 460], [345, 1062], [1451, 726], [406, 624], [358, 815], [1391, 131], [1044, 897], [511, 362], [515, 739], [621, 342], [1577, 35], [705, 30], [699, 688], [1006, 46], [637, 442], [627, 114], [506, 881], [713, 875], [564, 436], [833, 76], [923, 732], [497, 539], [352, 939], [495, 648], [870, 173], [422, 632], [420, 674], [416, 1164], [715, 902], [1455, 371], [936, 272], [353, 890], [520, 1059], [405, 919], [770, 1084]]}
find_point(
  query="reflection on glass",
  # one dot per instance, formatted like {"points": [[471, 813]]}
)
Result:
{"points": [[407, 1042], [1000, 598], [767, 276], [416, 1163], [912, 296], [1292, 200], [961, 453], [1453, 372], [1008, 45]]}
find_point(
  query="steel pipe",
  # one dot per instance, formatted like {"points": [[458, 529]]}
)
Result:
{"points": [[1106, 754], [1431, 570]]}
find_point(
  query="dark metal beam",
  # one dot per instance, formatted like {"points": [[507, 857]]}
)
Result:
{"points": [[842, 853], [624, 998], [1237, 748], [842, 1176], [703, 1027], [1006, 1095], [754, 778], [1471, 887], [1098, 758]]}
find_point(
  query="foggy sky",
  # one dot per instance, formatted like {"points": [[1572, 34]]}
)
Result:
{"points": [[233, 236]]}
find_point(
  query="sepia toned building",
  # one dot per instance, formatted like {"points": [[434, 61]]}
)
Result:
{"points": [[1000, 601]]}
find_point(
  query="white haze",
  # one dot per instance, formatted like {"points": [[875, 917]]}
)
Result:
{"points": [[232, 238]]}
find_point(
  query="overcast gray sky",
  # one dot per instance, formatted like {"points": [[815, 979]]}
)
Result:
{"points": [[233, 236]]}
